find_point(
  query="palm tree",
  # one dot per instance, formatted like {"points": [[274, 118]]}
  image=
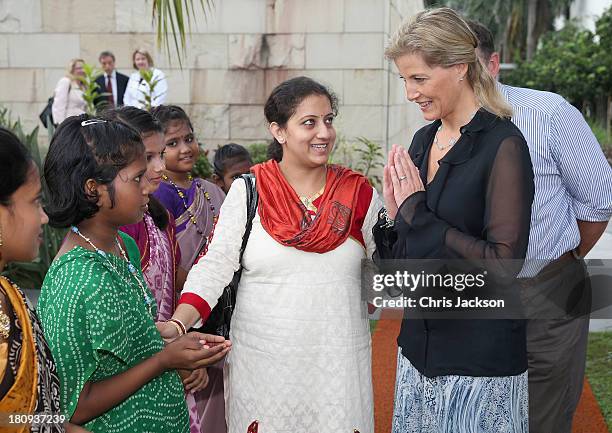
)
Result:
{"points": [[174, 18]]}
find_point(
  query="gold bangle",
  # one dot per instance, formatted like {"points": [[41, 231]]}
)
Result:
{"points": [[180, 325], [176, 325]]}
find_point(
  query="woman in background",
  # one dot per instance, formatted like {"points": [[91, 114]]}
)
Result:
{"points": [[137, 88], [68, 94]]}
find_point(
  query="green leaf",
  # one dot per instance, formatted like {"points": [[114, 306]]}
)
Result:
{"points": [[171, 17]]}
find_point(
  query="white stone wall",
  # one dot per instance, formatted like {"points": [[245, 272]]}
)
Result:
{"points": [[236, 54]]}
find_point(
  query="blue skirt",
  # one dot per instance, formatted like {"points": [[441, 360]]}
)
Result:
{"points": [[458, 404]]}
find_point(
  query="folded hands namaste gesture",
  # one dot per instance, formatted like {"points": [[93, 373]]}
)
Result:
{"points": [[400, 179]]}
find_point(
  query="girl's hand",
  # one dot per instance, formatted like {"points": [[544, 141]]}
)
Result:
{"points": [[193, 351], [213, 340], [404, 177], [388, 196], [195, 380]]}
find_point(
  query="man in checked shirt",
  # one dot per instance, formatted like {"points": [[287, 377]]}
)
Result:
{"points": [[570, 212]]}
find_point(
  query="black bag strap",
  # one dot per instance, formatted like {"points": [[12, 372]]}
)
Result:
{"points": [[252, 199], [221, 316]]}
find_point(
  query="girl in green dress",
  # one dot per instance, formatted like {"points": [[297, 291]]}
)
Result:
{"points": [[97, 312]]}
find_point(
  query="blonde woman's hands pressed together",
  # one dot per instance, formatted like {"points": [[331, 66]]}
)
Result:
{"points": [[401, 179]]}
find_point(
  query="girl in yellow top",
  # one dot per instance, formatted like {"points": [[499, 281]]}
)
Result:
{"points": [[28, 378]]}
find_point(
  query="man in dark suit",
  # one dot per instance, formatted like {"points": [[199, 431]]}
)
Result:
{"points": [[111, 82]]}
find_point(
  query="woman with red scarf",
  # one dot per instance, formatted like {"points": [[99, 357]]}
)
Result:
{"points": [[300, 359]]}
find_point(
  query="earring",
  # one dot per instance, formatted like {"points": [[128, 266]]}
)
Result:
{"points": [[461, 79], [281, 140], [0, 236]]}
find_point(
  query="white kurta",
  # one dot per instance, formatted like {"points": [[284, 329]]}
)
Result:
{"points": [[301, 355], [137, 88]]}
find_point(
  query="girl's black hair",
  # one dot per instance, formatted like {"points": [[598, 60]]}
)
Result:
{"points": [[15, 163], [158, 212], [143, 122], [85, 148], [284, 100], [168, 113], [229, 152]]}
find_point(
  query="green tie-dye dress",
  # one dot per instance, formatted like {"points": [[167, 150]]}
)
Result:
{"points": [[98, 326]]}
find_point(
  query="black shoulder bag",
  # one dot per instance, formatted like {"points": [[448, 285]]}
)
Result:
{"points": [[47, 114], [218, 322]]}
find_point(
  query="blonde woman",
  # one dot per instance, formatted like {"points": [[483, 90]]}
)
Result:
{"points": [[138, 89], [463, 191], [68, 94]]}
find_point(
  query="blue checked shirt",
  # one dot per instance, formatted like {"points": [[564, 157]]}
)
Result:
{"points": [[573, 179]]}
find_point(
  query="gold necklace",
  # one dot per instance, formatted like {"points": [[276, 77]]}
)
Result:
{"points": [[308, 202], [192, 217], [5, 324]]}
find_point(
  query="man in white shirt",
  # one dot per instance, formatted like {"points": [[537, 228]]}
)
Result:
{"points": [[112, 83]]}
